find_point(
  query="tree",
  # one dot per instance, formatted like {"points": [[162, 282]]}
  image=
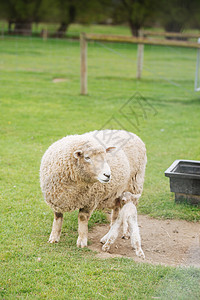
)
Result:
{"points": [[94, 11], [66, 11], [21, 13], [177, 15], [136, 12], [83, 11]]}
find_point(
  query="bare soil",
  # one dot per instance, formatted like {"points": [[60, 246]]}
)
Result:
{"points": [[56, 80], [166, 242]]}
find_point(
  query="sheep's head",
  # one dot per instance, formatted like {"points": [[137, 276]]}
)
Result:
{"points": [[92, 164]]}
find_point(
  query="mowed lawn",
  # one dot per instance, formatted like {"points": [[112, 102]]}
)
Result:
{"points": [[161, 108]]}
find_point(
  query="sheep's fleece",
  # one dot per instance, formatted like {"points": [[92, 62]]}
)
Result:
{"points": [[91, 171]]}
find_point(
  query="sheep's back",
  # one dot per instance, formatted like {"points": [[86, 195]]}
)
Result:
{"points": [[58, 182]]}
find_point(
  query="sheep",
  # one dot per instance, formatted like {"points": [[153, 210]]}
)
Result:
{"points": [[128, 218], [88, 172]]}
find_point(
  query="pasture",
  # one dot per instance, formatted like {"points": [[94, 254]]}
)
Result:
{"points": [[36, 110]]}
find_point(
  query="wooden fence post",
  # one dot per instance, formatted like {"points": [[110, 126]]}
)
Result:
{"points": [[44, 34], [140, 54], [83, 45], [2, 30]]}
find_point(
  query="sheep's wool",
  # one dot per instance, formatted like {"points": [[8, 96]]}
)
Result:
{"points": [[65, 190]]}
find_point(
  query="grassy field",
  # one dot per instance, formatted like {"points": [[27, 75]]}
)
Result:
{"points": [[161, 108], [76, 29]]}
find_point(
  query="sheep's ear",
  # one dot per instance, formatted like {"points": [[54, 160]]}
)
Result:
{"points": [[110, 149], [136, 196], [78, 153]]}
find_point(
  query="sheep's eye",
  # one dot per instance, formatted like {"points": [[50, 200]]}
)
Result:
{"points": [[87, 158]]}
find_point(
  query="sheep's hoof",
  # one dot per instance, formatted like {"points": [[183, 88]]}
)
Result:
{"points": [[105, 248], [103, 240], [140, 253], [81, 243], [53, 240]]}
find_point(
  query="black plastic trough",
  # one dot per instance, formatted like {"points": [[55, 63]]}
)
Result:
{"points": [[185, 180]]}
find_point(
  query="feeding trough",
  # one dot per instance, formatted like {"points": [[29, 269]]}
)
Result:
{"points": [[185, 180]]}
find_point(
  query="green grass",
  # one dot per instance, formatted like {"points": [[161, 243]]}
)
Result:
{"points": [[35, 112]]}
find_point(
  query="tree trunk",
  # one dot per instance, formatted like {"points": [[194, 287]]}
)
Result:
{"points": [[23, 28], [10, 26], [60, 33], [64, 25], [135, 28], [174, 26]]}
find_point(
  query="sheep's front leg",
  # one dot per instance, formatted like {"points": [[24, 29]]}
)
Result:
{"points": [[56, 228], [114, 216], [135, 236], [104, 239], [111, 235], [126, 233], [83, 218]]}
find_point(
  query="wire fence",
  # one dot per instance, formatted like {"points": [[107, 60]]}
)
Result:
{"points": [[174, 66], [111, 66], [56, 58]]}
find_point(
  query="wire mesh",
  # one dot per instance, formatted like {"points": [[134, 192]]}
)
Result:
{"points": [[111, 66]]}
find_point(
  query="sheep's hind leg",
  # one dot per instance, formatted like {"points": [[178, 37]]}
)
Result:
{"points": [[83, 218], [115, 211], [56, 229], [135, 237], [136, 185]]}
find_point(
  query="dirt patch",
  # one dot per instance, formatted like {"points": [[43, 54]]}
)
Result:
{"points": [[167, 242], [56, 80]]}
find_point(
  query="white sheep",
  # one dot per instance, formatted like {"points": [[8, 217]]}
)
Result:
{"points": [[128, 218], [89, 172]]}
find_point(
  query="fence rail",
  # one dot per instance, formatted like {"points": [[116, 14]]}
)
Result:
{"points": [[140, 41], [170, 34]]}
